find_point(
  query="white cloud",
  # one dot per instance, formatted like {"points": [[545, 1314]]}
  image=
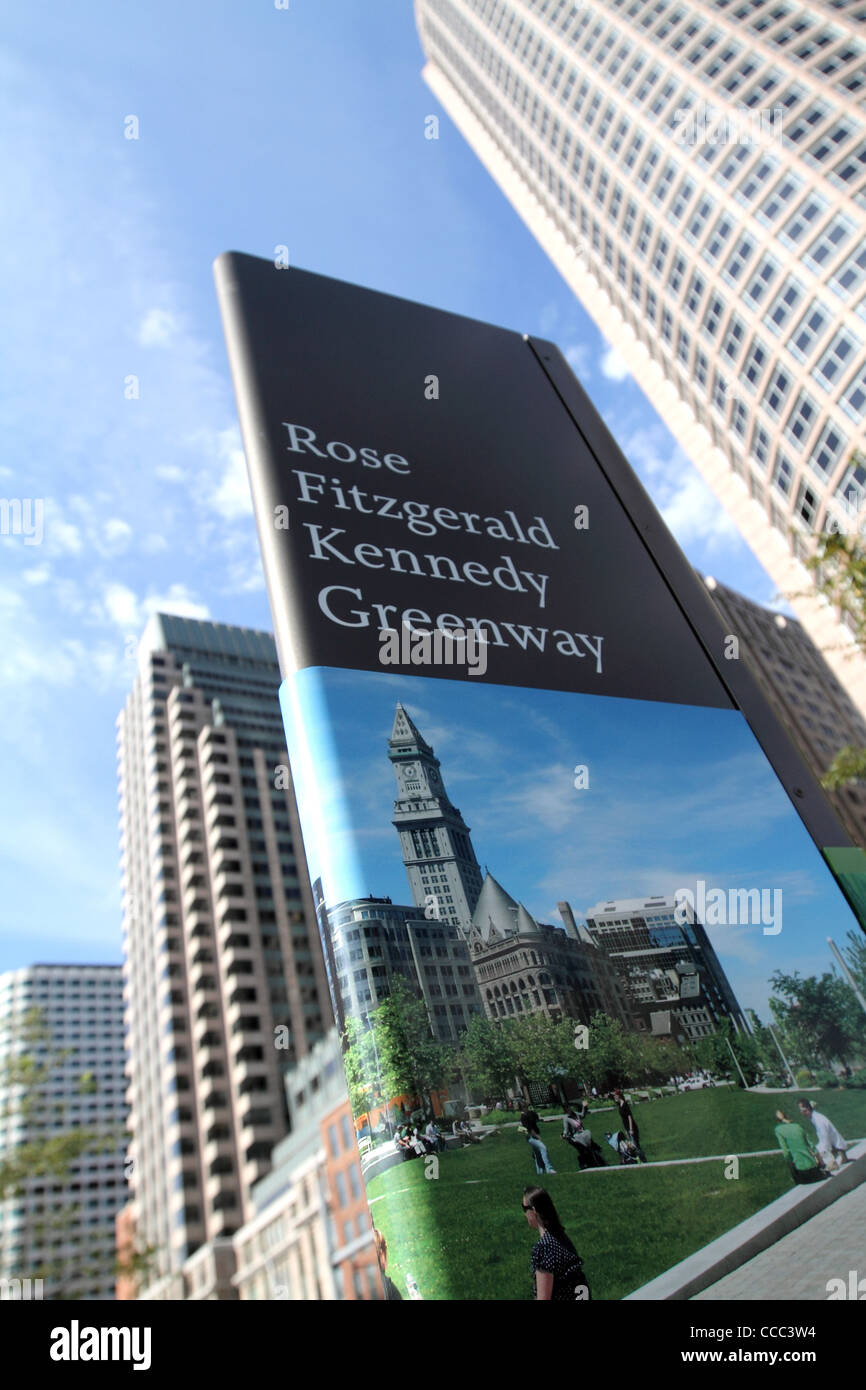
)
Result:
{"points": [[129, 613], [116, 533], [61, 537], [577, 356], [693, 513], [230, 496], [612, 365], [40, 574], [176, 599], [153, 544], [159, 328], [687, 504], [122, 607]]}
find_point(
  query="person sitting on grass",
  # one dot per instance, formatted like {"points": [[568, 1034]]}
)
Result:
{"points": [[459, 1133], [469, 1132], [832, 1148], [804, 1163], [403, 1142], [433, 1139]]}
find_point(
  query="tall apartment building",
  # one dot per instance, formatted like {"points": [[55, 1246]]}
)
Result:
{"points": [[224, 983], [311, 1237], [805, 695], [61, 1229], [697, 173]]}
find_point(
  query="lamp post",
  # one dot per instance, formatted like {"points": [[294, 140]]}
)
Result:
{"points": [[847, 973], [785, 1061]]}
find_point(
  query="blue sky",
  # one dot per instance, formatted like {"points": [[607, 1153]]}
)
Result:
{"points": [[676, 795], [258, 127]]}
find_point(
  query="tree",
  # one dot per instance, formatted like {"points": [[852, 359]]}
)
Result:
{"points": [[714, 1052], [486, 1057], [136, 1265], [609, 1059], [839, 566], [542, 1049], [24, 1078], [655, 1059], [819, 1016], [393, 1052]]}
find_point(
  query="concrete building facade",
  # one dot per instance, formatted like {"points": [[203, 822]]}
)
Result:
{"points": [[311, 1238], [375, 941], [669, 973], [819, 715], [62, 1229], [224, 983], [697, 174], [527, 967]]}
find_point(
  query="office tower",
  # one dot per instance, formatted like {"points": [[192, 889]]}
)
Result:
{"points": [[60, 1229], [224, 982], [311, 1237], [697, 173], [805, 695], [668, 970]]}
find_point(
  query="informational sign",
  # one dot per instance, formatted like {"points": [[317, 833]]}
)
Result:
{"points": [[563, 852]]}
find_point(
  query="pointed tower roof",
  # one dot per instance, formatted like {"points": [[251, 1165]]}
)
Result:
{"points": [[405, 737], [495, 914], [525, 920]]}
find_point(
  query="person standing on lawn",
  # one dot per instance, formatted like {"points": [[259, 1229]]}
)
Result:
{"points": [[530, 1121], [557, 1269], [629, 1124]]}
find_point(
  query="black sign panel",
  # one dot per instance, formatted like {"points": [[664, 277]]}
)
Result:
{"points": [[456, 550]]}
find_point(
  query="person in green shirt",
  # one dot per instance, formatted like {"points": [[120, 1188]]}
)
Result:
{"points": [[803, 1162]]}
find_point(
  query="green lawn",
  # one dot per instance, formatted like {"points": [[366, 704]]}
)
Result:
{"points": [[464, 1236], [722, 1120]]}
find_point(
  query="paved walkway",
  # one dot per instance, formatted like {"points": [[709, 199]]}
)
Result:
{"points": [[798, 1266]]}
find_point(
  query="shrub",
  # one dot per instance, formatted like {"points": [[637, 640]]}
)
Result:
{"points": [[827, 1079]]}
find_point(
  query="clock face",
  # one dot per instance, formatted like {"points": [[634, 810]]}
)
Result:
{"points": [[410, 770]]}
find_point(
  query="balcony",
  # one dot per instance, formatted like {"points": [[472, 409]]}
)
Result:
{"points": [[252, 1077], [217, 1150]]}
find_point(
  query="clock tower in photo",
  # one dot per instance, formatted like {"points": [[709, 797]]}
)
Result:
{"points": [[444, 877]]}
